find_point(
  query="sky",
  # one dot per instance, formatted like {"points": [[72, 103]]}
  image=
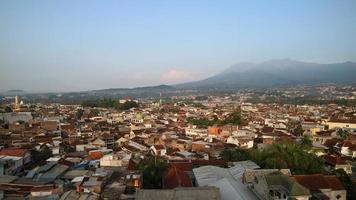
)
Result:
{"points": [[58, 46]]}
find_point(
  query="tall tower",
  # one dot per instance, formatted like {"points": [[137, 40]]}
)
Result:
{"points": [[16, 105], [160, 98]]}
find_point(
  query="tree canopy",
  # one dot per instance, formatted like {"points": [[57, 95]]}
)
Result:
{"points": [[110, 103], [152, 168], [234, 118], [280, 155], [343, 133]]}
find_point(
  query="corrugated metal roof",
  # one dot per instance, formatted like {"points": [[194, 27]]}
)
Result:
{"points": [[228, 180], [52, 174]]}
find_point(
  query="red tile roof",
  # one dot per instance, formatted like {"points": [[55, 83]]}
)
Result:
{"points": [[175, 177], [184, 166], [132, 166], [159, 147], [334, 160], [316, 182], [13, 152]]}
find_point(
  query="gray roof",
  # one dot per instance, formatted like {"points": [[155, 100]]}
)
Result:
{"points": [[193, 193], [293, 187], [229, 180], [7, 179], [54, 173], [73, 195], [75, 173]]}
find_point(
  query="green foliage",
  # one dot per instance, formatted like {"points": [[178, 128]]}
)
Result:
{"points": [[95, 112], [201, 121], [343, 133], [79, 113], [289, 155], [233, 118], [201, 98], [127, 105], [41, 155], [8, 109], [306, 142], [64, 148], [170, 110], [109, 103], [307, 100], [198, 105], [234, 154], [292, 124], [152, 169], [298, 131]]}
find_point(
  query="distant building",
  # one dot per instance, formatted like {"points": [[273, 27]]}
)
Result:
{"points": [[340, 123], [16, 117]]}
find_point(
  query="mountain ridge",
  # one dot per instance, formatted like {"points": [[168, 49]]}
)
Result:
{"points": [[278, 72]]}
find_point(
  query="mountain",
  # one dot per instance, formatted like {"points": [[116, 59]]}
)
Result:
{"points": [[276, 73], [147, 88], [133, 92]]}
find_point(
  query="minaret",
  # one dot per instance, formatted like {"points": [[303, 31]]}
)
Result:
{"points": [[160, 98], [16, 106]]}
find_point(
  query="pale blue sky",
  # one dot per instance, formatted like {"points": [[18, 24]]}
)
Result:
{"points": [[80, 45]]}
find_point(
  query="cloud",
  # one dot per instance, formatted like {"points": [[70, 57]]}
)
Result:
{"points": [[175, 75]]}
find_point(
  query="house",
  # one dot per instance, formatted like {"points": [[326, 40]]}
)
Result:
{"points": [[159, 150], [193, 131], [214, 130], [312, 126], [242, 142], [13, 187], [175, 177], [322, 185], [336, 162], [341, 124], [115, 160], [323, 136], [349, 148], [12, 159], [98, 142], [50, 125], [278, 186]]}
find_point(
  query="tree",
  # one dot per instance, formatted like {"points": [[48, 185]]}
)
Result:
{"points": [[292, 124], [79, 114], [286, 154], [233, 118], [152, 168], [41, 155], [95, 111], [8, 109], [298, 131], [306, 142], [343, 133], [234, 154], [201, 121], [128, 105]]}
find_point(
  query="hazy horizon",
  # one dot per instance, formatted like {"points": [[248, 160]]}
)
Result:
{"points": [[75, 46]]}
